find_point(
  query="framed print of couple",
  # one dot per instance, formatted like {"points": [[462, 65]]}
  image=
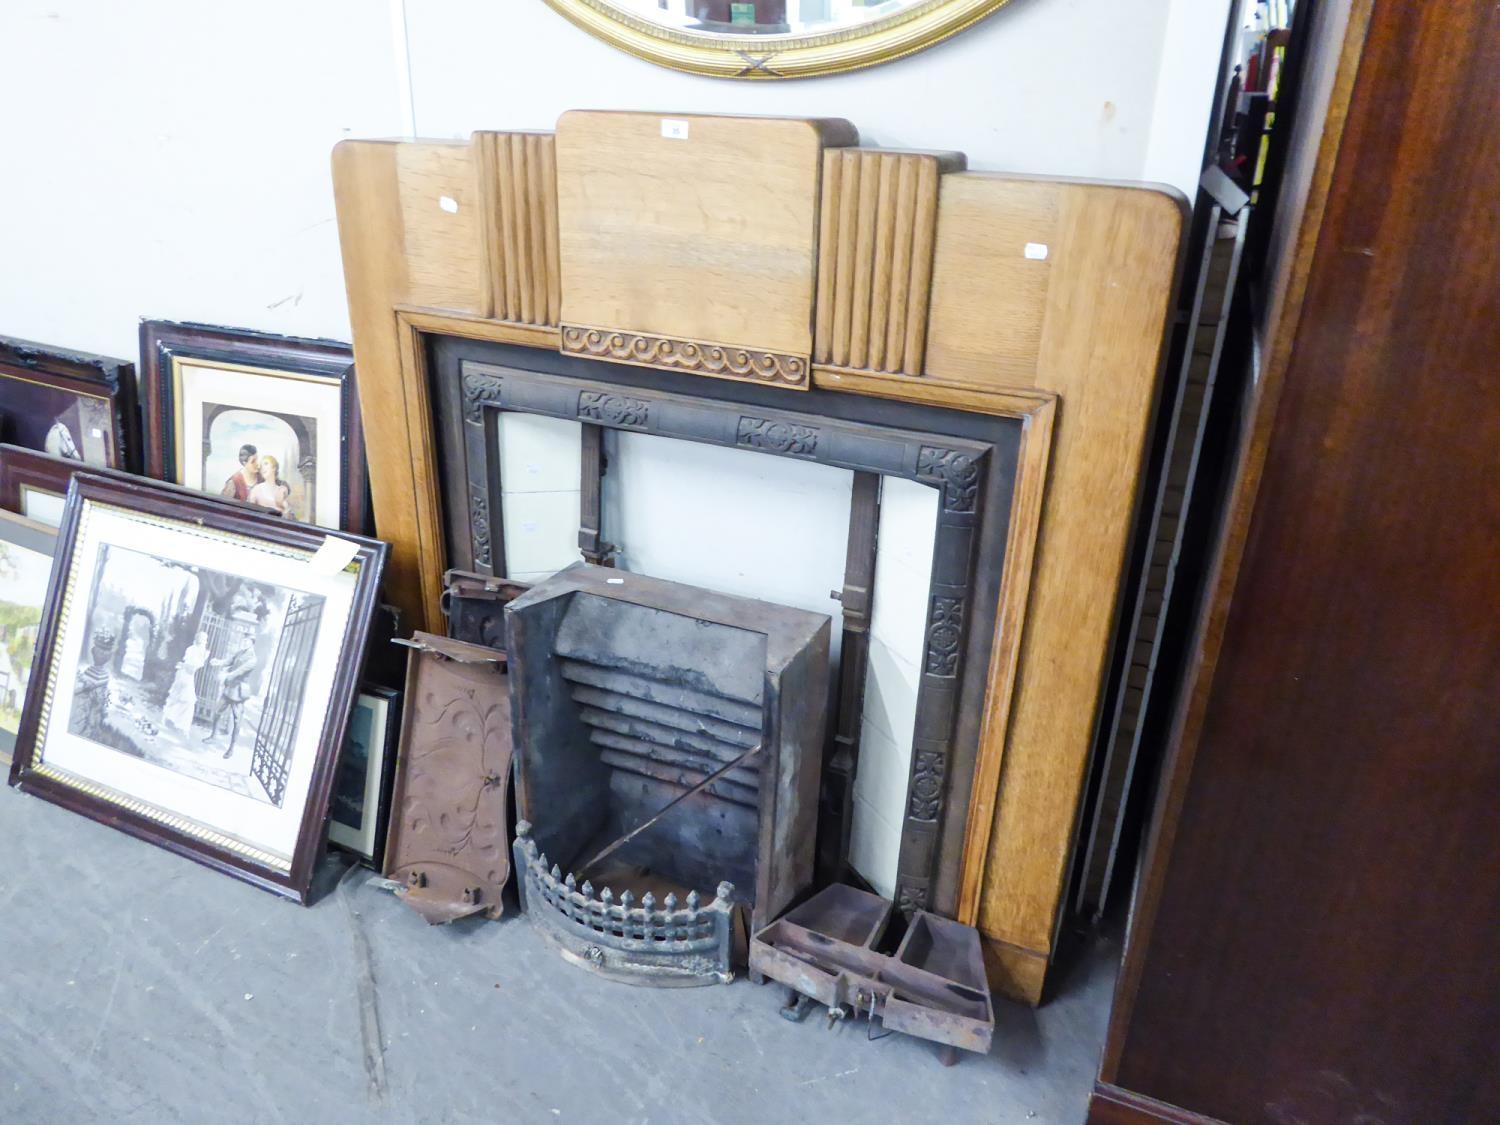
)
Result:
{"points": [[72, 405], [195, 667], [267, 420]]}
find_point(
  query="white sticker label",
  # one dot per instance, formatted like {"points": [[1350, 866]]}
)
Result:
{"points": [[615, 581], [1036, 251], [529, 528], [96, 432], [533, 469], [335, 554], [674, 129], [448, 204]]}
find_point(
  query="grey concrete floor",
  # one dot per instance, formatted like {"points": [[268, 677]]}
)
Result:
{"points": [[139, 987]]}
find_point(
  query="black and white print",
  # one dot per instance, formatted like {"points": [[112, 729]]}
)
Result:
{"points": [[195, 670]]}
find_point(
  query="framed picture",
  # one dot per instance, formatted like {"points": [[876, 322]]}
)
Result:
{"points": [[360, 809], [26, 549], [73, 405], [251, 416], [34, 484], [194, 673]]}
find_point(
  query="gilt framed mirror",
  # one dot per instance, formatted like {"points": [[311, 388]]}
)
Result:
{"points": [[763, 39]]}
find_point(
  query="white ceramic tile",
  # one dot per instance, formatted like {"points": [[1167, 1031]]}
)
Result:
{"points": [[903, 565], [531, 576], [890, 692], [730, 520], [539, 454], [884, 769], [541, 531], [874, 848]]}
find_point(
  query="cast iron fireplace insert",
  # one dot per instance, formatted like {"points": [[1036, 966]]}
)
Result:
{"points": [[630, 696], [969, 458]]}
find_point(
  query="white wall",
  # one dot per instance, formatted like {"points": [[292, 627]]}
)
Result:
{"points": [[1185, 80], [1062, 87], [169, 158]]}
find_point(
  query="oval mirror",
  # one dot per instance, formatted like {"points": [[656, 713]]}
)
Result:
{"points": [[773, 38]]}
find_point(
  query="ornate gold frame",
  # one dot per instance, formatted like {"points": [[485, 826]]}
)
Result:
{"points": [[777, 56]]}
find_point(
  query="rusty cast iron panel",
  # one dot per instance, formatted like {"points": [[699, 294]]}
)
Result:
{"points": [[448, 844], [932, 987]]}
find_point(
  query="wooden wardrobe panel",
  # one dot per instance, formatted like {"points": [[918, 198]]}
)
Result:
{"points": [[1314, 939]]}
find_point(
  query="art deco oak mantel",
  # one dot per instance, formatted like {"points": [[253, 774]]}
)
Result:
{"points": [[780, 253]]}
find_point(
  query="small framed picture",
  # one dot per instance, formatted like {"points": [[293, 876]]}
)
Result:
{"points": [[360, 808], [35, 485], [270, 420], [73, 405], [26, 549], [194, 673]]}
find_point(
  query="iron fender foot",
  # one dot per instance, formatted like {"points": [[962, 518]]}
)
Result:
{"points": [[948, 1055], [796, 1007]]}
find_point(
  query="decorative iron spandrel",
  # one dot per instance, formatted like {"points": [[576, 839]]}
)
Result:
{"points": [[448, 843]]}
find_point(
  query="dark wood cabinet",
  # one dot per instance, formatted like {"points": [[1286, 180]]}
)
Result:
{"points": [[1314, 937]]}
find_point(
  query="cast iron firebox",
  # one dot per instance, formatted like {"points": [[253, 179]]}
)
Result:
{"points": [[628, 694]]}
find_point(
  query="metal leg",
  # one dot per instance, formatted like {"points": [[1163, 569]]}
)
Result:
{"points": [[796, 1007], [948, 1055]]}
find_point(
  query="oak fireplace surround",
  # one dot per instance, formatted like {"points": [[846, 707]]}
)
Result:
{"points": [[778, 257]]}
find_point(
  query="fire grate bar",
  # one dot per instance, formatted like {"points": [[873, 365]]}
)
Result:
{"points": [[639, 944], [675, 696]]}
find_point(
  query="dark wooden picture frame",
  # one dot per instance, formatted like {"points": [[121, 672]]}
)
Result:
{"points": [[132, 815], [391, 740], [22, 469], [165, 343], [81, 375]]}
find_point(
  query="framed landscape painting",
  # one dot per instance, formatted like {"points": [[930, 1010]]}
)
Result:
{"points": [[194, 672], [269, 420], [360, 808], [73, 405], [26, 549]]}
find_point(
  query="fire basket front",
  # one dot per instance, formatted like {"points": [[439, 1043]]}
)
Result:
{"points": [[668, 742]]}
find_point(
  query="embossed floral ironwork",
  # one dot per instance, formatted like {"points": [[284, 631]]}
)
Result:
{"points": [[480, 390], [479, 526], [955, 471], [945, 622], [617, 410], [910, 898], [925, 794], [777, 437], [687, 355]]}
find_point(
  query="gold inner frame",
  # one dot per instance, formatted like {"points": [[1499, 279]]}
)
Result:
{"points": [[763, 57]]}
